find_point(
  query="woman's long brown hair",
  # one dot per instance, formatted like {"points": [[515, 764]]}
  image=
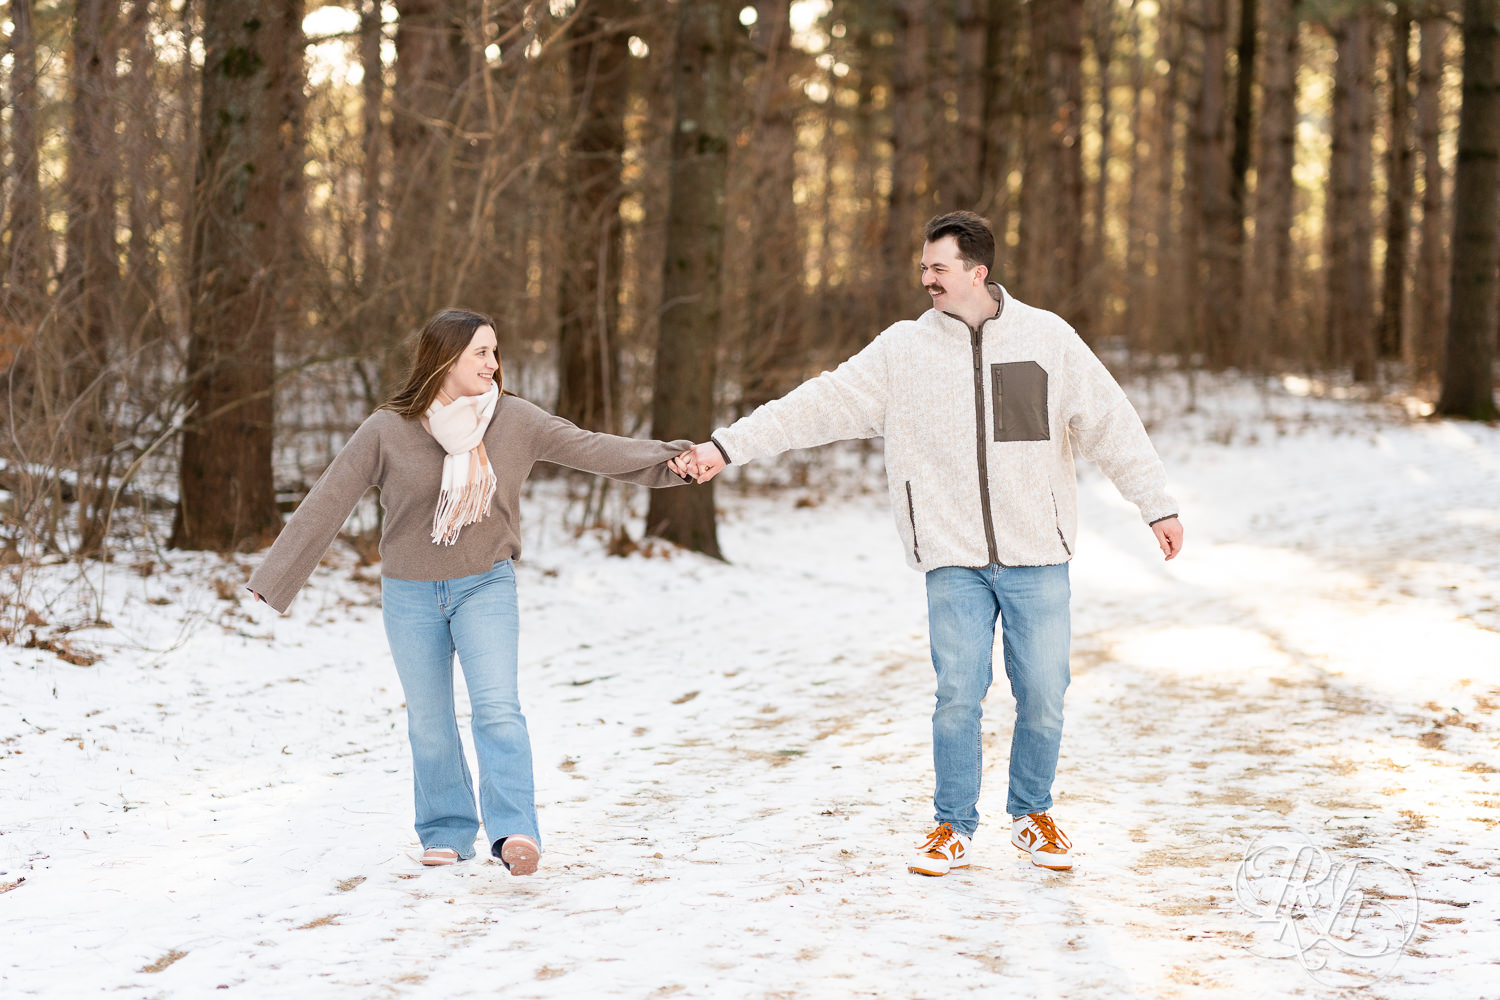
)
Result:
{"points": [[440, 344]]}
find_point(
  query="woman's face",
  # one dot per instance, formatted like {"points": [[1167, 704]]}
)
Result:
{"points": [[474, 371]]}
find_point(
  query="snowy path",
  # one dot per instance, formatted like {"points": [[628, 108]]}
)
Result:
{"points": [[731, 819]]}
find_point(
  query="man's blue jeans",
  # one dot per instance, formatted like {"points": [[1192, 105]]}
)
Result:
{"points": [[963, 604], [426, 622]]}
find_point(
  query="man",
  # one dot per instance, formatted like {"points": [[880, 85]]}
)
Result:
{"points": [[980, 402]]}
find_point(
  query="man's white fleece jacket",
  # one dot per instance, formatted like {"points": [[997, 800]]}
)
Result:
{"points": [[979, 429]]}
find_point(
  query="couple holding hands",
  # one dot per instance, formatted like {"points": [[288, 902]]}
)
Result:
{"points": [[980, 402]]}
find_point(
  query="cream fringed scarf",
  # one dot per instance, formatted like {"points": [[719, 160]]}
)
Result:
{"points": [[468, 481]]}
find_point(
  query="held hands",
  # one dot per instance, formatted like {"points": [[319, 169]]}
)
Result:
{"points": [[1169, 536], [684, 467], [699, 463], [710, 460]]}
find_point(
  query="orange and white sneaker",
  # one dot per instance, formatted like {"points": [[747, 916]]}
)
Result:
{"points": [[944, 850], [1037, 835]]}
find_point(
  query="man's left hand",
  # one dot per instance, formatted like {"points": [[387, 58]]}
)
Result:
{"points": [[1169, 536]]}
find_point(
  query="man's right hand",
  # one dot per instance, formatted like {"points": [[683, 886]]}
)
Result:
{"points": [[1169, 536], [709, 459]]}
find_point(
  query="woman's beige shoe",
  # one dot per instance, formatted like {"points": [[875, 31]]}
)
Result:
{"points": [[519, 853]]}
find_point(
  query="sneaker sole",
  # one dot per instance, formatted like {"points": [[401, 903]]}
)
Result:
{"points": [[520, 857], [916, 869], [1064, 865]]}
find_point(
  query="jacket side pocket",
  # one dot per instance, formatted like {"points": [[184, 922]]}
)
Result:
{"points": [[1020, 401], [1057, 520], [911, 513]]}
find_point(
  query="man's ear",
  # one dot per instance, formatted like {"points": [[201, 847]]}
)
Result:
{"points": [[981, 274]]}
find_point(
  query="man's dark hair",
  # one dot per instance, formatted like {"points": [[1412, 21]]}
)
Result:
{"points": [[972, 232]]}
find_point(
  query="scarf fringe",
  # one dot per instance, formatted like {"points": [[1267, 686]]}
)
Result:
{"points": [[458, 508]]}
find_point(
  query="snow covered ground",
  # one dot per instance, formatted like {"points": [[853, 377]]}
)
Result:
{"points": [[733, 760]]}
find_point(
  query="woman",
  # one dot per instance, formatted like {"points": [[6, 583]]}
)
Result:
{"points": [[449, 453]]}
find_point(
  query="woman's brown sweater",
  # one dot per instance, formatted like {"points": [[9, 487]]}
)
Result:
{"points": [[404, 461]]}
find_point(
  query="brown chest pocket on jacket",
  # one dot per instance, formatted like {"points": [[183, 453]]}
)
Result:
{"points": [[1020, 394]]}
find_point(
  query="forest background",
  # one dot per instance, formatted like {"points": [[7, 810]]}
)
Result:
{"points": [[222, 221]]}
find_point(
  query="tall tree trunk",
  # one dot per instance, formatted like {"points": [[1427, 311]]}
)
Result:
{"points": [[683, 403], [1065, 63], [1269, 267], [1398, 189], [1244, 106], [998, 114], [372, 140], [867, 289], [142, 319], [1166, 316], [24, 293], [773, 350], [185, 107], [89, 292], [909, 134], [651, 122], [1350, 228], [819, 302], [1057, 51], [285, 245], [487, 108], [432, 61], [547, 207], [962, 184], [531, 153], [252, 81], [1143, 115], [90, 275], [588, 351], [1430, 288], [1468, 369], [1038, 194], [1239, 171], [1105, 28], [1214, 217]]}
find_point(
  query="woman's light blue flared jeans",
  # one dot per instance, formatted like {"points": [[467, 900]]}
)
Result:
{"points": [[1031, 603], [426, 622]]}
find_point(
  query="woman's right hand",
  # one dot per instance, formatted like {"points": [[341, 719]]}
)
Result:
{"points": [[685, 467]]}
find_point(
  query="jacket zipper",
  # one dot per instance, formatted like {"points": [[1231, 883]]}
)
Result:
{"points": [[911, 512], [984, 469], [1057, 520]]}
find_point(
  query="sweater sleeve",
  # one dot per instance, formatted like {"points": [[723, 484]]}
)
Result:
{"points": [[629, 460], [317, 520], [1109, 432], [848, 402]]}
